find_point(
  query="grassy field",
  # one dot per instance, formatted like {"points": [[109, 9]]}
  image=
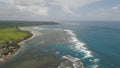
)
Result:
{"points": [[8, 31], [10, 34]]}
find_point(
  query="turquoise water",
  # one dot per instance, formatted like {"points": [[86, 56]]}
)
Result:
{"points": [[101, 38], [96, 44]]}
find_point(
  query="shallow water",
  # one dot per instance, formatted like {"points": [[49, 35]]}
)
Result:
{"points": [[96, 44], [102, 38], [40, 52]]}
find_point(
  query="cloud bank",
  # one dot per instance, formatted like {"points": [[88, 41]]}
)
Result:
{"points": [[56, 9]]}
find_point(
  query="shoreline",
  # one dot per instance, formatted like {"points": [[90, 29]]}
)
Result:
{"points": [[19, 44], [73, 61], [22, 42]]}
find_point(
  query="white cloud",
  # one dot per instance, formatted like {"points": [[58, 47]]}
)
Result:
{"points": [[112, 13], [68, 5], [67, 10], [42, 11], [40, 7], [34, 6], [55, 9], [115, 7]]}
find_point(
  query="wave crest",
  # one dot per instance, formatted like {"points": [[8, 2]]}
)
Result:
{"points": [[71, 62], [79, 46]]}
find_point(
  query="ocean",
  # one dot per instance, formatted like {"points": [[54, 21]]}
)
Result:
{"points": [[101, 38], [94, 43]]}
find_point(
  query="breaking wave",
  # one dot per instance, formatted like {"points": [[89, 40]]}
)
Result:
{"points": [[80, 46], [71, 62], [77, 46]]}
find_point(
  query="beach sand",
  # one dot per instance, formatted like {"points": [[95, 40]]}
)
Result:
{"points": [[35, 51], [34, 33]]}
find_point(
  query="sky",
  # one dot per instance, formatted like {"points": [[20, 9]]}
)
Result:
{"points": [[42, 10]]}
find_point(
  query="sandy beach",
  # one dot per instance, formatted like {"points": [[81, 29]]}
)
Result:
{"points": [[22, 42], [34, 33], [39, 51]]}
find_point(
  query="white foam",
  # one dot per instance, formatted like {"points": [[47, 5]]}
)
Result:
{"points": [[70, 58], [96, 60], [46, 28], [38, 28], [76, 63], [80, 46], [77, 45], [94, 66], [57, 52]]}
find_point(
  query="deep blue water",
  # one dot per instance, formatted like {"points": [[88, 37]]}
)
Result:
{"points": [[101, 38]]}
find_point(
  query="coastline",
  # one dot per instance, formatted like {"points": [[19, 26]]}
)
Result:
{"points": [[22, 42], [19, 44], [73, 61]]}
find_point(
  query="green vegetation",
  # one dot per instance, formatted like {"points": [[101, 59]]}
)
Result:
{"points": [[10, 34], [24, 23], [9, 39]]}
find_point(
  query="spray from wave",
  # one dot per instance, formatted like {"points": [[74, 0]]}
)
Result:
{"points": [[71, 62], [77, 46], [80, 46]]}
